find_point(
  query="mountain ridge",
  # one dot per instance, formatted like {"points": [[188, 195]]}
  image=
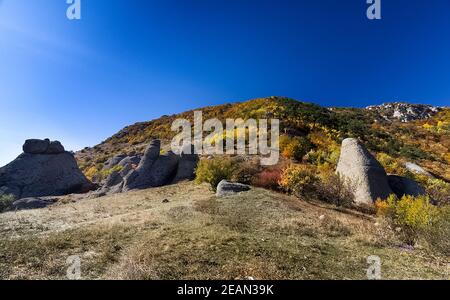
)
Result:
{"points": [[418, 135]]}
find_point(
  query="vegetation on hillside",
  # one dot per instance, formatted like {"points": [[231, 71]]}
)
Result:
{"points": [[310, 134]]}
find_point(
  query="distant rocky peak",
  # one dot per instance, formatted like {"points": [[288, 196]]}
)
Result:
{"points": [[404, 112]]}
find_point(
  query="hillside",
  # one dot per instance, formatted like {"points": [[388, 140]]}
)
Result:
{"points": [[399, 132], [262, 235]]}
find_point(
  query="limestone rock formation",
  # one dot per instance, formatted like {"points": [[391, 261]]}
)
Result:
{"points": [[357, 165], [154, 170], [45, 169], [226, 188]]}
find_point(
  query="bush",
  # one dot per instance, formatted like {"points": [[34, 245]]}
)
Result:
{"points": [[438, 190], [295, 148], [335, 189], [213, 171], [244, 171], [412, 215], [438, 235], [268, 179], [299, 180], [6, 202]]}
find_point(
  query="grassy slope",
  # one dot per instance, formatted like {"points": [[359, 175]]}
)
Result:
{"points": [[260, 234]]}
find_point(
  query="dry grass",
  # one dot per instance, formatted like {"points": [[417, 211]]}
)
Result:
{"points": [[260, 234]]}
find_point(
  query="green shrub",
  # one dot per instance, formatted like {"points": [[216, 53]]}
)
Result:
{"points": [[6, 202], [438, 235], [295, 147], [412, 215], [299, 180], [213, 171]]}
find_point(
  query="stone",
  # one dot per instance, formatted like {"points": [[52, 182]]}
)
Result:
{"points": [[40, 175], [33, 203], [164, 169], [402, 186], [186, 166], [35, 146], [154, 169], [112, 162], [364, 172], [417, 169], [130, 160], [55, 147], [226, 188]]}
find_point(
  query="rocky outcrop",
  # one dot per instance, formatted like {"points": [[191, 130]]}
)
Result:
{"points": [[186, 166], [404, 112], [368, 176], [226, 188], [154, 170], [44, 169], [35, 146]]}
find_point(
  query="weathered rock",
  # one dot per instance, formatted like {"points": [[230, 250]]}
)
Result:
{"points": [[39, 175], [226, 188], [402, 186], [154, 169], [417, 169], [112, 162], [150, 156], [35, 146], [130, 160], [364, 172], [33, 203], [55, 147], [164, 169], [186, 166], [113, 179]]}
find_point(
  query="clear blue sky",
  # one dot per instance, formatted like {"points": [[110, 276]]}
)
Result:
{"points": [[135, 60]]}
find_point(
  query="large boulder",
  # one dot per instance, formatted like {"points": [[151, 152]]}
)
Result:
{"points": [[186, 166], [226, 188], [364, 172], [44, 174], [402, 186], [35, 146], [154, 170]]}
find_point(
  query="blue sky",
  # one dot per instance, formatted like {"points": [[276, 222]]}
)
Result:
{"points": [[135, 60]]}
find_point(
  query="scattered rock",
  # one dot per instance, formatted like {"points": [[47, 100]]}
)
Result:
{"points": [[226, 188], [368, 176], [402, 186], [417, 169]]}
